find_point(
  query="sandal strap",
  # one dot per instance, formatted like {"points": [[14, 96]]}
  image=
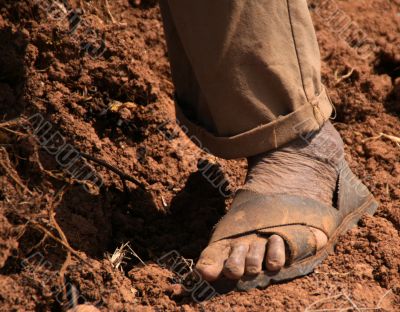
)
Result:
{"points": [[292, 216], [299, 239], [252, 212]]}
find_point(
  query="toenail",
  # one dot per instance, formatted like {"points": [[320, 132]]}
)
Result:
{"points": [[206, 262], [232, 268], [252, 270], [274, 265], [273, 261]]}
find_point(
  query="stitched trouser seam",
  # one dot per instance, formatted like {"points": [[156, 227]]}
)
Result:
{"points": [[295, 49]]}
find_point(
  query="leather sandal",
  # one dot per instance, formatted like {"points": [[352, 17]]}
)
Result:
{"points": [[291, 217]]}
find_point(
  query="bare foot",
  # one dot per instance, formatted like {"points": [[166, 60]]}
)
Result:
{"points": [[301, 168]]}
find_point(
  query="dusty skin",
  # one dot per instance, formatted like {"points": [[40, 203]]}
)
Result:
{"points": [[307, 169], [117, 105]]}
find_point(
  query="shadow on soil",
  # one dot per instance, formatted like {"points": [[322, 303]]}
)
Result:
{"points": [[99, 224]]}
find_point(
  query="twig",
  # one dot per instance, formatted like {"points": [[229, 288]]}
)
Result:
{"points": [[42, 240], [15, 179], [62, 271], [7, 167], [135, 254], [343, 77], [57, 176], [44, 230], [74, 297], [392, 138], [13, 122], [82, 6], [62, 240], [61, 7], [89, 157], [115, 170], [36, 157], [14, 132], [107, 8], [61, 233]]}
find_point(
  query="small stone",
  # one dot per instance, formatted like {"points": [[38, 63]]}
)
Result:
{"points": [[396, 193], [371, 164], [359, 286], [187, 308], [396, 88], [391, 37], [359, 150], [125, 113], [372, 122], [381, 41], [84, 308], [381, 85], [358, 139], [348, 141], [396, 169], [175, 290]]}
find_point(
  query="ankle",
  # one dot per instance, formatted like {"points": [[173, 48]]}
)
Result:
{"points": [[325, 145], [302, 167]]}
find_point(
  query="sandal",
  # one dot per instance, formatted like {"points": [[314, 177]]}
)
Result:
{"points": [[291, 218]]}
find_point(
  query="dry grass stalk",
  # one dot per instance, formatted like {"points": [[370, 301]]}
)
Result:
{"points": [[392, 138], [343, 77], [121, 254]]}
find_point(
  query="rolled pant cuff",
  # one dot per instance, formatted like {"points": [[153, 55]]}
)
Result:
{"points": [[300, 123]]}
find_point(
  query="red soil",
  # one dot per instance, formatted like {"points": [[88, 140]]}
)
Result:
{"points": [[45, 69]]}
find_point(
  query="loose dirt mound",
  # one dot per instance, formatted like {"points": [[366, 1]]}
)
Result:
{"points": [[93, 77]]}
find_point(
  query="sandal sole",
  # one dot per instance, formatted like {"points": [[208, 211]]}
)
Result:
{"points": [[307, 265]]}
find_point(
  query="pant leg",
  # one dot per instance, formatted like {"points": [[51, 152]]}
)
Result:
{"points": [[246, 73]]}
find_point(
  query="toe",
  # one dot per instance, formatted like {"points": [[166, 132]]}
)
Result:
{"points": [[255, 256], [275, 255], [234, 266], [320, 238], [212, 260]]}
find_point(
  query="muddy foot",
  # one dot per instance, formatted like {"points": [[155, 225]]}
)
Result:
{"points": [[304, 168]]}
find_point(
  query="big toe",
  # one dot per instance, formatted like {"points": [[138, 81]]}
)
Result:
{"points": [[212, 259]]}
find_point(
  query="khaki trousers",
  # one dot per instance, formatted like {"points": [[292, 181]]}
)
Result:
{"points": [[246, 72]]}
